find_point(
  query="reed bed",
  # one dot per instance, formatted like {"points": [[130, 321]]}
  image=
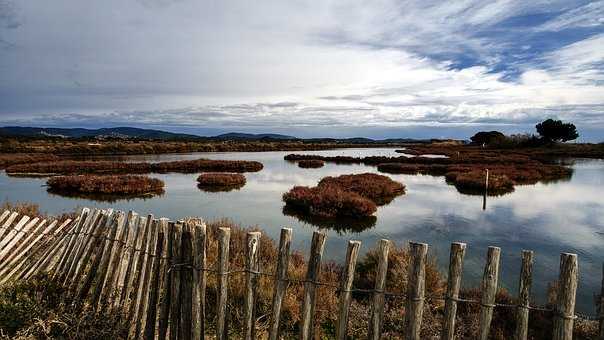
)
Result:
{"points": [[220, 182], [111, 167], [114, 185], [348, 196]]}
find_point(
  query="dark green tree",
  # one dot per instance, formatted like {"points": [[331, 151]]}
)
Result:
{"points": [[555, 131], [487, 137]]}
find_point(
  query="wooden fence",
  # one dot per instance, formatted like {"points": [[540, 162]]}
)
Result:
{"points": [[154, 271]]}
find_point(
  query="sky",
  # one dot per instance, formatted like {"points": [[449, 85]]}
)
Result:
{"points": [[380, 69]]}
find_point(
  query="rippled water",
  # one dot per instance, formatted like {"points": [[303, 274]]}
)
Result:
{"points": [[547, 218]]}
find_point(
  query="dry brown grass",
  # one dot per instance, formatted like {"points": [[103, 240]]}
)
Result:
{"points": [[220, 182], [19, 158]]}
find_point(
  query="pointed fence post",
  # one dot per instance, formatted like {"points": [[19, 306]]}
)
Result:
{"points": [[524, 295], [564, 317], [345, 288], [489, 291], [199, 280], [456, 256], [416, 288], [377, 305], [149, 332], [186, 277], [310, 286], [252, 266], [224, 237], [280, 282], [175, 271]]}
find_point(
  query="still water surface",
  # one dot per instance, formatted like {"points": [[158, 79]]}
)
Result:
{"points": [[547, 218]]}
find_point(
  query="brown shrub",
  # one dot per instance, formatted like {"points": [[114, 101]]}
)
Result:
{"points": [[215, 182], [118, 184], [311, 163], [329, 201], [380, 189], [110, 167]]}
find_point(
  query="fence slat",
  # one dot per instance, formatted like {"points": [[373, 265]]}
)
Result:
{"points": [[310, 287], [110, 290], [20, 250], [345, 286], [141, 255], [524, 295], [252, 265], [489, 291], [17, 230], [149, 332], [108, 248], [78, 242], [166, 283], [141, 304], [7, 223], [124, 283], [224, 236], [280, 284], [199, 280], [48, 251], [186, 277], [567, 291], [416, 288], [377, 304], [175, 272], [458, 251]]}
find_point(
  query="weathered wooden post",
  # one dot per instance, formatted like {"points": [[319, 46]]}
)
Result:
{"points": [[141, 303], [186, 277], [165, 281], [489, 291], [224, 237], [199, 280], [310, 287], [175, 271], [456, 256], [149, 332], [524, 295], [252, 265], [567, 291], [416, 288], [377, 306], [345, 286], [280, 282]]}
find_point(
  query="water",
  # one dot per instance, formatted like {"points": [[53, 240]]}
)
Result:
{"points": [[547, 218]]}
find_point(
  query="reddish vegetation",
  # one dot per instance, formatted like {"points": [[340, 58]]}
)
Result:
{"points": [[7, 160], [115, 185], [464, 166], [311, 163], [220, 181], [344, 196], [110, 167], [329, 201], [380, 189]]}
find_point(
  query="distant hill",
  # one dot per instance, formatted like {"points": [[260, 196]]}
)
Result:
{"points": [[117, 132], [251, 136]]}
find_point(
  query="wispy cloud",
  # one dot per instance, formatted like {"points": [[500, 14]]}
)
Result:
{"points": [[307, 64]]}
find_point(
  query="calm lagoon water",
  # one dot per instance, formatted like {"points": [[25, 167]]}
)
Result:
{"points": [[548, 218]]}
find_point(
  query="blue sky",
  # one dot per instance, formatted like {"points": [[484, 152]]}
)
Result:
{"points": [[308, 68]]}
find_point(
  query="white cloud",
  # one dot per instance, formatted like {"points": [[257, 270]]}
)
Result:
{"points": [[343, 64]]}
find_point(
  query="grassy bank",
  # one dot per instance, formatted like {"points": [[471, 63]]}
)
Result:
{"points": [[62, 146], [111, 167], [311, 164], [216, 182]]}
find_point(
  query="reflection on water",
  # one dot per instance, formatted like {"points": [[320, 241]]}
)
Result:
{"points": [[109, 198], [341, 225], [549, 218], [219, 188]]}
